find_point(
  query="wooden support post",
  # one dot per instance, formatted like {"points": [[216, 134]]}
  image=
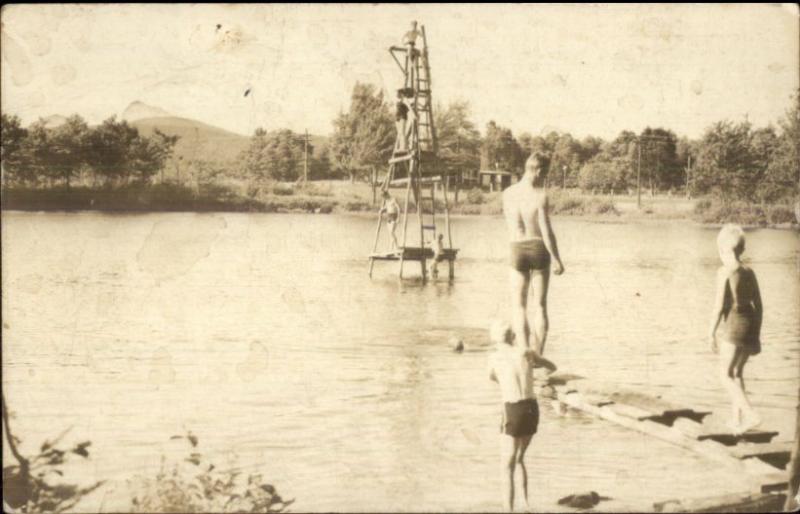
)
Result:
{"points": [[405, 223], [375, 246], [422, 261], [447, 222], [374, 183], [792, 500]]}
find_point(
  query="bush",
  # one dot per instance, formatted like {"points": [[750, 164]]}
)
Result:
{"points": [[467, 209], [282, 190], [217, 192], [358, 206], [566, 205], [253, 191], [492, 209], [778, 214], [36, 483], [603, 206], [475, 196], [576, 205], [312, 189], [718, 211], [195, 485], [702, 206]]}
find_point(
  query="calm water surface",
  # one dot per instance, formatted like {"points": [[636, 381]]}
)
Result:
{"points": [[264, 336]]}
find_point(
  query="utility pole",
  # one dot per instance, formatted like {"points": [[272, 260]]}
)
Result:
{"points": [[305, 158], [639, 176], [657, 169], [688, 175]]}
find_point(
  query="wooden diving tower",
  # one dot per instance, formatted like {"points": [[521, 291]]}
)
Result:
{"points": [[416, 167]]}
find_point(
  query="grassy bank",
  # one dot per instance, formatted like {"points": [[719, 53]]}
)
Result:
{"points": [[341, 196], [175, 198]]}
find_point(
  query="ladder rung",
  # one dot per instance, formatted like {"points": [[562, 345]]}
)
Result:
{"points": [[429, 227], [402, 158]]}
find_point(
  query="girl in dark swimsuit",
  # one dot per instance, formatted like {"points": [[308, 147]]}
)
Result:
{"points": [[738, 305]]}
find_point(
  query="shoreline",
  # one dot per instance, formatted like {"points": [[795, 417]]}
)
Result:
{"points": [[356, 199], [616, 219]]}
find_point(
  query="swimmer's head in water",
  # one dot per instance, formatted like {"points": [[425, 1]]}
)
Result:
{"points": [[501, 332], [538, 164], [730, 243]]}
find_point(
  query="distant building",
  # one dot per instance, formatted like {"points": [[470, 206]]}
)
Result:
{"points": [[495, 180]]}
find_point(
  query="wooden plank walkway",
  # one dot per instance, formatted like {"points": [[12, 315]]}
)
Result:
{"points": [[746, 502], [694, 429]]}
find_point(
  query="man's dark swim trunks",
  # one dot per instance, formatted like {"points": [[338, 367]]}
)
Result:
{"points": [[521, 418], [529, 255]]}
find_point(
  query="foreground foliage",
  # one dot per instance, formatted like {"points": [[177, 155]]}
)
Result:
{"points": [[196, 485]]}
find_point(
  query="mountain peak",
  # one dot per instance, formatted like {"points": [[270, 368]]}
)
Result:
{"points": [[138, 110]]}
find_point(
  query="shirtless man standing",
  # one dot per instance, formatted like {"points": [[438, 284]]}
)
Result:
{"points": [[533, 244], [511, 366]]}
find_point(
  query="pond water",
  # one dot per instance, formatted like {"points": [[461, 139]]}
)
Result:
{"points": [[263, 335]]}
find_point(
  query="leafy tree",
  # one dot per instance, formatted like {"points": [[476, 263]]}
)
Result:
{"points": [[782, 176], [364, 135], [500, 150], [284, 155], [148, 155], [590, 146], [12, 156], [565, 161], [67, 152], [253, 162], [623, 146], [543, 144], [275, 156], [605, 173], [38, 153], [659, 160], [319, 166], [567, 154], [109, 149], [725, 164], [459, 140], [612, 168]]}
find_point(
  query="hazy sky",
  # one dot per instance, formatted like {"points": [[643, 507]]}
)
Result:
{"points": [[583, 69]]}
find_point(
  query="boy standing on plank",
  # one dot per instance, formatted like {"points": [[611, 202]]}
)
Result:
{"points": [[511, 366]]}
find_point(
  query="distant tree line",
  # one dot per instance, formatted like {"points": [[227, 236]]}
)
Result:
{"points": [[730, 160], [110, 153], [281, 156]]}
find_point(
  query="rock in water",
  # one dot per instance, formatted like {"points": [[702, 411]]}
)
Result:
{"points": [[457, 344], [581, 500]]}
